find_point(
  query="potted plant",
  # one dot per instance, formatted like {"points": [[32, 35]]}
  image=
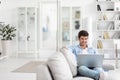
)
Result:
{"points": [[7, 34]]}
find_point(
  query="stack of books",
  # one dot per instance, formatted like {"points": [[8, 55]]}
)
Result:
{"points": [[106, 35], [99, 44]]}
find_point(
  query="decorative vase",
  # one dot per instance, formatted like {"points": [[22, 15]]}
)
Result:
{"points": [[6, 47]]}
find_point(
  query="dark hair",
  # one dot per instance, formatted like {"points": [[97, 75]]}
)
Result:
{"points": [[83, 33]]}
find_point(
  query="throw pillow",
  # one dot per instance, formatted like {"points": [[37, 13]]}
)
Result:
{"points": [[59, 67], [71, 59]]}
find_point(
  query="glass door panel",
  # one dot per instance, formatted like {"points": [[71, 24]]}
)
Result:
{"points": [[48, 24], [22, 29], [65, 26], [76, 18], [31, 28]]}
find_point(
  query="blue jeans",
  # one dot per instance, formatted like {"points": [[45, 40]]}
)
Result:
{"points": [[90, 72]]}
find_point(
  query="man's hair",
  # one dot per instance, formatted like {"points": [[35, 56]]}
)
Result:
{"points": [[83, 33]]}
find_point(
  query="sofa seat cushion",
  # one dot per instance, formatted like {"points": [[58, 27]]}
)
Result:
{"points": [[59, 67], [43, 72], [82, 78], [71, 59], [108, 67], [113, 75]]}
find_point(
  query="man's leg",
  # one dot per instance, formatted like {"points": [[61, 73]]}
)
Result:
{"points": [[103, 74], [99, 69], [85, 71]]}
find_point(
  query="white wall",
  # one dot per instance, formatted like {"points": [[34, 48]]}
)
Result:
{"points": [[8, 8], [88, 8], [8, 11]]}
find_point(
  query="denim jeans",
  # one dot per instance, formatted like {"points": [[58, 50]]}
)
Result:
{"points": [[90, 72]]}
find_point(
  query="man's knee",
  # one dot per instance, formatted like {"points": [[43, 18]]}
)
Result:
{"points": [[82, 69], [99, 69]]}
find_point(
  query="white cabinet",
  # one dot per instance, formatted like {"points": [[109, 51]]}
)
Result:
{"points": [[107, 27], [70, 25], [27, 29]]}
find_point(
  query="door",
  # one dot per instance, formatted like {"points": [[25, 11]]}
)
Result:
{"points": [[48, 25]]}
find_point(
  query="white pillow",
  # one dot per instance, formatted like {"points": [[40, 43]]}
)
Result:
{"points": [[71, 59], [59, 67]]}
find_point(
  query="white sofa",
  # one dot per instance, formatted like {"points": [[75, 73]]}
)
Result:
{"points": [[44, 73], [55, 69]]}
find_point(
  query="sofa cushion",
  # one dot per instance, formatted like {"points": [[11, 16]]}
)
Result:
{"points": [[82, 78], [43, 72], [108, 67], [59, 67], [70, 57], [113, 75]]}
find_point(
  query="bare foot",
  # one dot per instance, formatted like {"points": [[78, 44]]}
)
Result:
{"points": [[103, 76]]}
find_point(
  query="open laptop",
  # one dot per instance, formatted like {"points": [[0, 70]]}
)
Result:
{"points": [[90, 60]]}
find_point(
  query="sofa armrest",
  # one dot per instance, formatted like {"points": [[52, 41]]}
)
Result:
{"points": [[43, 72], [107, 67]]}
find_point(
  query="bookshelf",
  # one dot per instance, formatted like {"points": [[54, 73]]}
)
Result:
{"points": [[70, 25], [107, 27]]}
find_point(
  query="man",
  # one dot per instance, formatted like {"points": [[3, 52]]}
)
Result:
{"points": [[82, 48]]}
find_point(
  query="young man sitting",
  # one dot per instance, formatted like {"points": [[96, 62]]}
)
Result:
{"points": [[97, 73]]}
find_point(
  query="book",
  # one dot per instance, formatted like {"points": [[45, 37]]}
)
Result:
{"points": [[98, 7], [119, 35], [100, 17], [110, 26], [105, 17], [116, 35], [106, 35], [110, 9], [116, 17], [99, 44], [119, 17]]}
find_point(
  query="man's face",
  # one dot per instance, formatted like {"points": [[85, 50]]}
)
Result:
{"points": [[83, 40]]}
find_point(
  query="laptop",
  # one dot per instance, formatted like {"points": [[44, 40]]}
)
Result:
{"points": [[90, 60]]}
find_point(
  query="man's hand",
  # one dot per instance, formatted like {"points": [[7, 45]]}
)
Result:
{"points": [[64, 47]]}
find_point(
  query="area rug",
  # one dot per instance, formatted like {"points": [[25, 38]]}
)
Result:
{"points": [[30, 67]]}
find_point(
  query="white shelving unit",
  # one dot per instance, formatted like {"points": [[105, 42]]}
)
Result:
{"points": [[27, 30], [70, 25], [107, 26]]}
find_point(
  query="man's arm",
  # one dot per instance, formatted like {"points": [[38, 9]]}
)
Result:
{"points": [[70, 48], [95, 51]]}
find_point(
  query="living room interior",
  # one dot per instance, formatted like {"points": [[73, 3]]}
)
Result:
{"points": [[41, 28]]}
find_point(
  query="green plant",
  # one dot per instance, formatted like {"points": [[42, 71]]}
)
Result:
{"points": [[7, 32]]}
